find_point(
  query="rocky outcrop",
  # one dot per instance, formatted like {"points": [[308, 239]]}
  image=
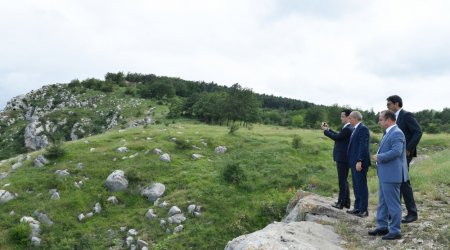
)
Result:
{"points": [[34, 139], [289, 236], [301, 229], [305, 206]]}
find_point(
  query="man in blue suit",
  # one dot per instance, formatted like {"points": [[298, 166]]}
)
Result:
{"points": [[392, 171], [358, 154], [412, 131], [341, 140]]}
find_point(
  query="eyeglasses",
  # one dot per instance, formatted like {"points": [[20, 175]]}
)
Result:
{"points": [[389, 104]]}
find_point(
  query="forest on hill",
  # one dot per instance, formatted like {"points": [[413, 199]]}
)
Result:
{"points": [[64, 112], [216, 104]]}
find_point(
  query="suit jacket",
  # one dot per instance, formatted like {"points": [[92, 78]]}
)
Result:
{"points": [[341, 141], [391, 160], [411, 129], [358, 147]]}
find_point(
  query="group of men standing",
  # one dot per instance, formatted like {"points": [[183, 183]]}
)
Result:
{"points": [[395, 152]]}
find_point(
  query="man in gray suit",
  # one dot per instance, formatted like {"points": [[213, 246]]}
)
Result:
{"points": [[392, 170], [412, 131]]}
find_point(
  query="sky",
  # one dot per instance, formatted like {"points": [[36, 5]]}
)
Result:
{"points": [[348, 52]]}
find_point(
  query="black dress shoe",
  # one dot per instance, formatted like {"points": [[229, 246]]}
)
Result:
{"points": [[409, 218], [378, 231], [392, 237], [362, 214], [338, 205], [354, 211]]}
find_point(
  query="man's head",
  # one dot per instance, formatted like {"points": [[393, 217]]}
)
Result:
{"points": [[354, 117], [394, 103], [386, 119], [344, 115]]}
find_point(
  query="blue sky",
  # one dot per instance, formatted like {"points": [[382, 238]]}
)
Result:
{"points": [[353, 53]]}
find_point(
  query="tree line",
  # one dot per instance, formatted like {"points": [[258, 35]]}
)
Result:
{"points": [[217, 104]]}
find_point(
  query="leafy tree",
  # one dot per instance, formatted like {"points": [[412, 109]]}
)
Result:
{"points": [[209, 107], [242, 105], [297, 121], [314, 116], [118, 78]]}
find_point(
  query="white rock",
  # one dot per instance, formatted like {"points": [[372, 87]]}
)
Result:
{"points": [[132, 232], [142, 244], [150, 214], [64, 172], [17, 165], [122, 150], [220, 150], [89, 215], [196, 156], [174, 210], [55, 196], [191, 208], [165, 157], [129, 241], [113, 200], [116, 181], [81, 217], [154, 191], [163, 204], [178, 229], [176, 219], [157, 151], [35, 241], [97, 208], [92, 150]]}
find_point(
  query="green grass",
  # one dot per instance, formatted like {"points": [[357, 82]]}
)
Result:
{"points": [[273, 168]]}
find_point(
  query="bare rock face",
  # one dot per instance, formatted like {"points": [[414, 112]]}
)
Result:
{"points": [[300, 229], [33, 138], [292, 236], [305, 206]]}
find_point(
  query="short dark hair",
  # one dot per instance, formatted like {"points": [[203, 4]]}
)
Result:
{"points": [[395, 99], [346, 111], [387, 114]]}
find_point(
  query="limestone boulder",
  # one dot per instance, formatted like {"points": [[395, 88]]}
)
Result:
{"points": [[116, 181]]}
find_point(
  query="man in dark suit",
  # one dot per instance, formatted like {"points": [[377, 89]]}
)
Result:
{"points": [[392, 170], [341, 140], [358, 154], [412, 131]]}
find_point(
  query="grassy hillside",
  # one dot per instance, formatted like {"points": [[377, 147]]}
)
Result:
{"points": [[272, 170]]}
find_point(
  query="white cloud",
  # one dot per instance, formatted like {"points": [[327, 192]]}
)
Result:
{"points": [[326, 52]]}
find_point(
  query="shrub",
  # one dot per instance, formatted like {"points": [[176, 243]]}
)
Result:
{"points": [[233, 128], [233, 173], [183, 144], [296, 141], [272, 210], [20, 234], [54, 150], [133, 175]]}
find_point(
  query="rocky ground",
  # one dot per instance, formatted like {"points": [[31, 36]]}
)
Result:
{"points": [[430, 231]]}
